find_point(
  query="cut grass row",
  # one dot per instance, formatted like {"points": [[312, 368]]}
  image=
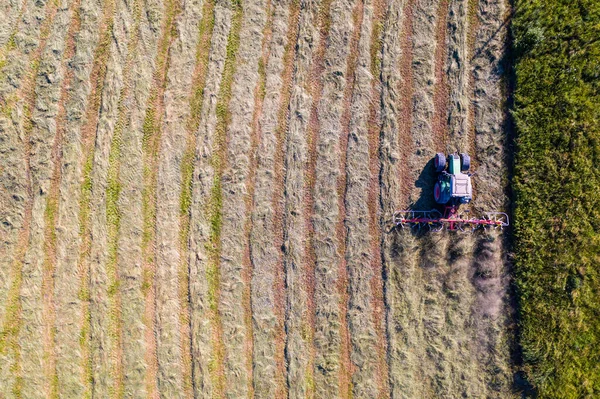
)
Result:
{"points": [[557, 206], [215, 203], [51, 213]]}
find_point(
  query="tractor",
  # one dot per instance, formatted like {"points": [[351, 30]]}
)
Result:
{"points": [[452, 189]]}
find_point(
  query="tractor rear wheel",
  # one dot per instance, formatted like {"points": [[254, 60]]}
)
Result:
{"points": [[465, 162], [437, 192], [439, 162]]}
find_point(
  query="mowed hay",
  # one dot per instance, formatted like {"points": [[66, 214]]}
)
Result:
{"points": [[14, 194], [127, 180], [183, 219], [457, 67], [235, 186], [298, 328], [9, 13], [264, 254], [68, 303], [15, 70], [326, 202], [41, 132], [359, 257], [207, 356]]}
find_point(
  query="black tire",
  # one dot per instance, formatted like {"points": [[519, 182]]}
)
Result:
{"points": [[465, 162], [439, 162]]}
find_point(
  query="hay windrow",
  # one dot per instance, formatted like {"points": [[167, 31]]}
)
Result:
{"points": [[390, 187], [263, 250], [358, 252], [236, 186], [207, 344], [299, 334], [326, 212]]}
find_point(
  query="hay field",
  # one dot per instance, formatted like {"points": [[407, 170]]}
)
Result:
{"points": [[194, 194]]}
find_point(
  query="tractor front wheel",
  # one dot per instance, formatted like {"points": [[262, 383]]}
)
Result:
{"points": [[439, 162], [465, 162]]}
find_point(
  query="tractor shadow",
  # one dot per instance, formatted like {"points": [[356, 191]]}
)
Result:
{"points": [[425, 182]]}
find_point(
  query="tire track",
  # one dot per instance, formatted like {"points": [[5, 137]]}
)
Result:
{"points": [[207, 342], [126, 181], [169, 355], [150, 150], [491, 311], [68, 302], [358, 251], [326, 212], [33, 358], [236, 186], [104, 337], [298, 346]]}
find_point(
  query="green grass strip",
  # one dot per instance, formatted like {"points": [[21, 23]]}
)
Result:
{"points": [[557, 215]]}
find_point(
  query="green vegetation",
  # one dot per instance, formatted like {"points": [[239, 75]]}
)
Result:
{"points": [[557, 216]]}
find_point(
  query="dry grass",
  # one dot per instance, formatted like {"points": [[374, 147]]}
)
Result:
{"points": [[220, 220]]}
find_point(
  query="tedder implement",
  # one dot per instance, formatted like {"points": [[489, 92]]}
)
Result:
{"points": [[452, 188]]}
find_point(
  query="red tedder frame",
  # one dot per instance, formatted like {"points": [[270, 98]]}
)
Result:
{"points": [[451, 220]]}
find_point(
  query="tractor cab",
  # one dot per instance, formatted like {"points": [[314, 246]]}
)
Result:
{"points": [[453, 186]]}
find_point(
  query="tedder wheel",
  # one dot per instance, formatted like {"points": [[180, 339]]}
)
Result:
{"points": [[465, 162], [439, 162]]}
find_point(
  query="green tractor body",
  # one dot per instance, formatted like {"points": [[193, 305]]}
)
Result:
{"points": [[453, 186]]}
